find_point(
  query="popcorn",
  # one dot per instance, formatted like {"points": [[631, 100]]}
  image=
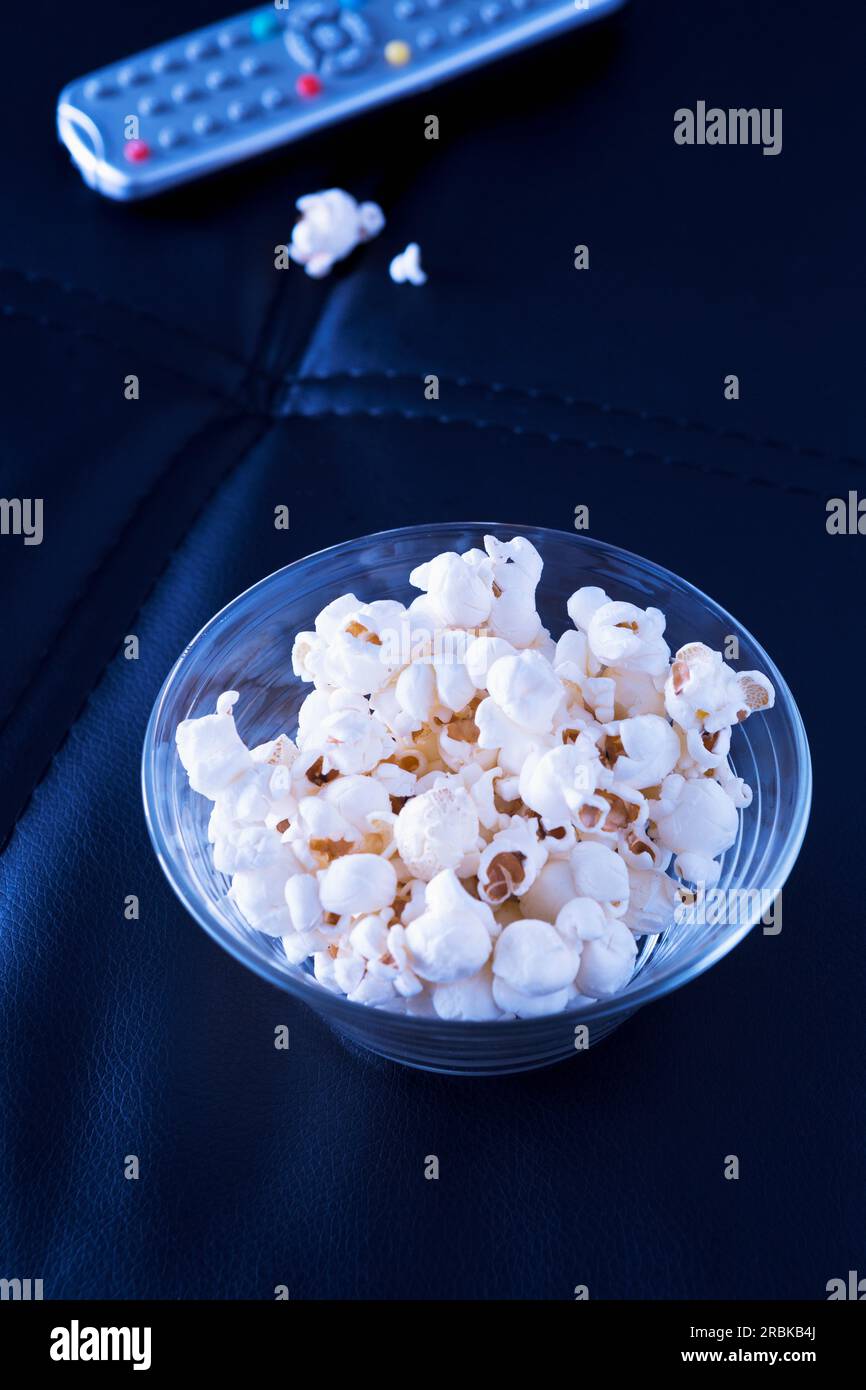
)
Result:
{"points": [[621, 634], [511, 863], [701, 819], [702, 691], [450, 940], [599, 873], [526, 689], [357, 883], [480, 656], [212, 750], [552, 889], [469, 999], [514, 744], [532, 957], [557, 783], [517, 568], [515, 1002], [436, 830], [457, 593], [301, 893], [332, 224], [607, 949], [474, 821], [641, 751], [407, 266]]}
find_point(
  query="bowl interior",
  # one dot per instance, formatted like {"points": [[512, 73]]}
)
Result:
{"points": [[247, 647]]}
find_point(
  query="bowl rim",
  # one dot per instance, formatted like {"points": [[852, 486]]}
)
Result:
{"points": [[350, 1012]]}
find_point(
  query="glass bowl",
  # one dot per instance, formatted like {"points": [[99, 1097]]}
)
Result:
{"points": [[247, 647]]}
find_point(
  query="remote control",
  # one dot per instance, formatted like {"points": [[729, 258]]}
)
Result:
{"points": [[245, 85]]}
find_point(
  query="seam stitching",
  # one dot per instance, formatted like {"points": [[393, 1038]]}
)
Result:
{"points": [[551, 437], [529, 393]]}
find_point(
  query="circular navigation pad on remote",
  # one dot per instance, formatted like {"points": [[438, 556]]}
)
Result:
{"points": [[323, 37]]}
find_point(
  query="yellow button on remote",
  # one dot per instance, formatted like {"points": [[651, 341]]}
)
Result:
{"points": [[398, 53]]}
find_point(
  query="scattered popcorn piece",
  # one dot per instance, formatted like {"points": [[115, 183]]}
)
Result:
{"points": [[474, 821], [407, 266], [331, 225]]}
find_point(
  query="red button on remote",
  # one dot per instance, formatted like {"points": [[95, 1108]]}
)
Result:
{"points": [[136, 151], [308, 85]]}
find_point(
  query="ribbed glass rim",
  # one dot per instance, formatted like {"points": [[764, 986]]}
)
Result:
{"points": [[664, 980]]}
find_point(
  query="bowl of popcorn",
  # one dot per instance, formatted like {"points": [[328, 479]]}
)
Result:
{"points": [[475, 793]]}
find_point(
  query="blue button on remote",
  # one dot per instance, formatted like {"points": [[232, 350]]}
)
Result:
{"points": [[242, 86]]}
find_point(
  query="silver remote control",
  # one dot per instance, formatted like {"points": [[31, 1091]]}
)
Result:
{"points": [[249, 84]]}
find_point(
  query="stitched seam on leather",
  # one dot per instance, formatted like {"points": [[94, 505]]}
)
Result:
{"points": [[543, 396], [549, 437], [264, 430], [257, 373], [11, 311], [38, 277]]}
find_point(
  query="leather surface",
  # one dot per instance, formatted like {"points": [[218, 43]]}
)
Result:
{"points": [[305, 1168]]}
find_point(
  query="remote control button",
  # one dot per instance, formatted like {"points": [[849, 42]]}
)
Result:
{"points": [[251, 66], [491, 13], [132, 77], [308, 85], [200, 48], [98, 87], [166, 62], [205, 124], [152, 106], [169, 136], [329, 37], [219, 78], [136, 151], [357, 28], [458, 26], [405, 9], [183, 92], [427, 38], [233, 38], [272, 97], [397, 53], [239, 110], [304, 53], [347, 60], [264, 26]]}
